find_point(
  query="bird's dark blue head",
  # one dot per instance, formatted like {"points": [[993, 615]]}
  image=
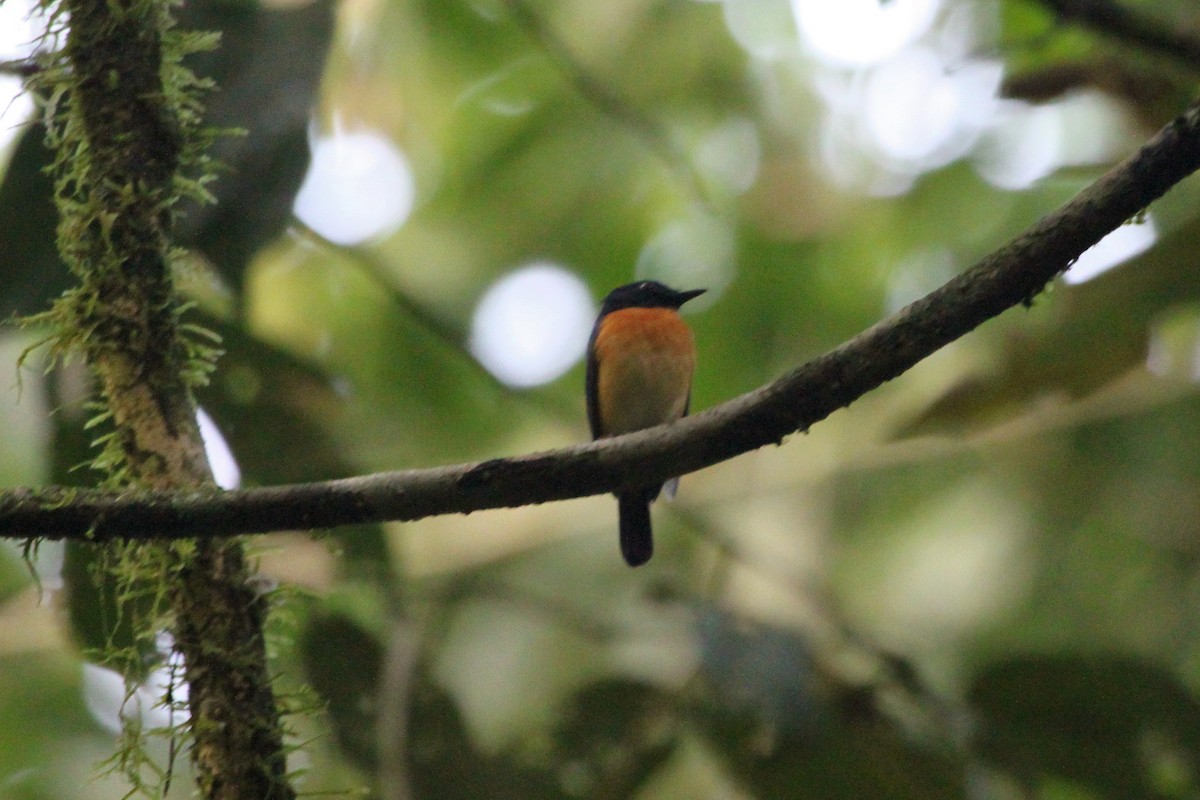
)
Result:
{"points": [[646, 294]]}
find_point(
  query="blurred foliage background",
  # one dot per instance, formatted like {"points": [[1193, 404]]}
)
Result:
{"points": [[980, 581]]}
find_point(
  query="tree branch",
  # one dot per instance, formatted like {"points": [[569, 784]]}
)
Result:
{"points": [[1012, 275], [1111, 19]]}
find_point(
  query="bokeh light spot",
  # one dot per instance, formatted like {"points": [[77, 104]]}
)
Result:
{"points": [[730, 155], [695, 251], [358, 188], [20, 27], [1028, 142], [890, 123], [1021, 148], [861, 32], [532, 325], [920, 111], [224, 466], [1116, 248], [109, 701], [765, 28]]}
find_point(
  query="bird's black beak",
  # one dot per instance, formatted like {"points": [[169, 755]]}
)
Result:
{"points": [[683, 297]]}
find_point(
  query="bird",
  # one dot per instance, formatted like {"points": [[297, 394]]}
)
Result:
{"points": [[640, 360]]}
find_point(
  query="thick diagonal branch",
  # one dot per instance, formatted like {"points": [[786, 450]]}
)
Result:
{"points": [[1010, 276]]}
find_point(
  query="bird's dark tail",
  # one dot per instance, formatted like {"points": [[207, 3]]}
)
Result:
{"points": [[637, 541]]}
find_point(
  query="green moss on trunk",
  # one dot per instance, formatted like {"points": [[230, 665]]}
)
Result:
{"points": [[125, 130]]}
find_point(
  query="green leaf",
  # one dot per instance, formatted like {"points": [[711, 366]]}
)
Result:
{"points": [[14, 575], [106, 616], [269, 403], [787, 730], [445, 765], [31, 272], [1121, 727], [617, 734], [343, 663], [267, 71]]}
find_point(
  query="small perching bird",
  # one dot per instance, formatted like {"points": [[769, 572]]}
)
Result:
{"points": [[640, 361]]}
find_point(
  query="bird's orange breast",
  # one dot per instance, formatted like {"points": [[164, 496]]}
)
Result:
{"points": [[645, 358]]}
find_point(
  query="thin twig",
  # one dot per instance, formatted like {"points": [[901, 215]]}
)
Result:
{"points": [[610, 102], [433, 323], [395, 699]]}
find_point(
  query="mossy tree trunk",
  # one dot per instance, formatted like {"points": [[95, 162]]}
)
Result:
{"points": [[124, 131]]}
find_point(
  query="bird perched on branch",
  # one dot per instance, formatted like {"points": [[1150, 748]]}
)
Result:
{"points": [[640, 360]]}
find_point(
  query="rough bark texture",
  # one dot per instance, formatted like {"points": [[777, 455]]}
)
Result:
{"points": [[116, 195]]}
